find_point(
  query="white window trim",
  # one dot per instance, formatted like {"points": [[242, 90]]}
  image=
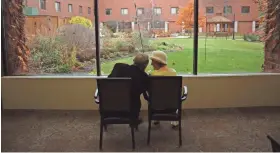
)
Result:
{"points": [[55, 6], [124, 11], [176, 9], [70, 7]]}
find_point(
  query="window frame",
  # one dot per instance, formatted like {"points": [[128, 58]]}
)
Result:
{"points": [[108, 9], [59, 6], [161, 23], [89, 10], [176, 12], [212, 8], [155, 11], [71, 8], [96, 15], [243, 7], [143, 10], [40, 4], [80, 9], [229, 7], [123, 10]]}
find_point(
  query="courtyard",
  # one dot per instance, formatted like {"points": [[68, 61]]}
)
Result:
{"points": [[220, 56]]}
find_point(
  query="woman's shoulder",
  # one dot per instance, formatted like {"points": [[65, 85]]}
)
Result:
{"points": [[172, 70]]}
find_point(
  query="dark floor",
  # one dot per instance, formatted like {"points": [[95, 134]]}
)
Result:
{"points": [[203, 130]]}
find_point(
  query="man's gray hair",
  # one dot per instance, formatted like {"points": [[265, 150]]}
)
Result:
{"points": [[141, 60]]}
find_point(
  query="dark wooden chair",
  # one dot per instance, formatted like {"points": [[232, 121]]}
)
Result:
{"points": [[115, 104], [165, 101], [274, 144]]}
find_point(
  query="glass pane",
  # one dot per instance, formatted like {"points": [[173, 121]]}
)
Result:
{"points": [[122, 37], [232, 41], [39, 43]]}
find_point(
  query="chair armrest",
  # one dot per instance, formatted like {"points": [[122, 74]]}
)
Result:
{"points": [[96, 97], [185, 93]]}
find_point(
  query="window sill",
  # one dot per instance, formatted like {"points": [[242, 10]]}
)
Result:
{"points": [[61, 76]]}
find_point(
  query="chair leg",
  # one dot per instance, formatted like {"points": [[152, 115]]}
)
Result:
{"points": [[133, 138], [180, 133], [101, 136], [105, 127], [149, 132]]}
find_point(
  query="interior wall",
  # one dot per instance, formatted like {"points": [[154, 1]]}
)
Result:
{"points": [[76, 93]]}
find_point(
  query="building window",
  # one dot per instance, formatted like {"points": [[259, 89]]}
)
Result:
{"points": [[227, 10], [157, 11], [124, 11], [209, 10], [108, 11], [245, 9], [70, 8], [89, 10], [158, 24], [80, 9], [174, 10], [57, 7], [43, 4], [140, 11]]}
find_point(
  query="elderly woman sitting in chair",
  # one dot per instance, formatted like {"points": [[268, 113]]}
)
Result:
{"points": [[159, 63]]}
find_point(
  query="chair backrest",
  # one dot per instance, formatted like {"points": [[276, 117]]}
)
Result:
{"points": [[114, 94], [274, 144], [165, 92]]}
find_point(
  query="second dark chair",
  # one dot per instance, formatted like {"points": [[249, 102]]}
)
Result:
{"points": [[165, 101]]}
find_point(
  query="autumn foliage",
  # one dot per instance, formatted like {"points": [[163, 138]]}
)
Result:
{"points": [[186, 17]]}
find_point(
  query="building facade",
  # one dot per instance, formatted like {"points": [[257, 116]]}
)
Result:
{"points": [[61, 8], [243, 13]]}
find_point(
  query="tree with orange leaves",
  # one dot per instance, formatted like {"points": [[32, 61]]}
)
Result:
{"points": [[186, 17]]}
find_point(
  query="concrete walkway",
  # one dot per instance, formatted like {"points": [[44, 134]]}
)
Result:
{"points": [[203, 130]]}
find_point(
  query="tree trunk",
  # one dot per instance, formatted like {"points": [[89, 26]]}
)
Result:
{"points": [[16, 50], [272, 43]]}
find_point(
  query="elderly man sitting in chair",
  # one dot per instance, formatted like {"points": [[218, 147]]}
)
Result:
{"points": [[139, 77]]}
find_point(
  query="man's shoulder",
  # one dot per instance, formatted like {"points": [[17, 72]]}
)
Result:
{"points": [[121, 65], [136, 71]]}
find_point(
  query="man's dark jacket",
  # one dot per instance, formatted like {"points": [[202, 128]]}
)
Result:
{"points": [[139, 81]]}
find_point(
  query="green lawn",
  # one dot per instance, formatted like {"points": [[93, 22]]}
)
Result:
{"points": [[222, 56]]}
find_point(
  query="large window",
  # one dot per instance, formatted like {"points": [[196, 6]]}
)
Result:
{"points": [[42, 4], [210, 10], [57, 7], [56, 45], [70, 8], [245, 9], [124, 11]]}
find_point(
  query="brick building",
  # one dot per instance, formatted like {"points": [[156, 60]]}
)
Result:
{"points": [[61, 8], [122, 13]]}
